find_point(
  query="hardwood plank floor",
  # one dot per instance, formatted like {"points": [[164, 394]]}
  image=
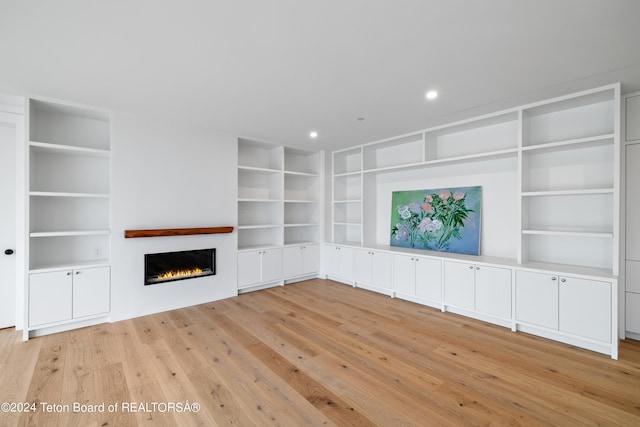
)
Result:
{"points": [[309, 354]]}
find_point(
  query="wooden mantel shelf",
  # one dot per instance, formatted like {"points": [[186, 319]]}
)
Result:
{"points": [[176, 232]]}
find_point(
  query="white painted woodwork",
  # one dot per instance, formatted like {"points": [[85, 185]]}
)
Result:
{"points": [[271, 265], [8, 145], [632, 128], [417, 276], [278, 208], [632, 199], [537, 298], [372, 268], [428, 278], [632, 276], [585, 308], [633, 314], [404, 274], [493, 291], [459, 286], [91, 291], [300, 260], [260, 266], [50, 297], [339, 262]]}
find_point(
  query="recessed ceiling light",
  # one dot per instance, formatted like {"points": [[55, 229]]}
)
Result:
{"points": [[313, 134], [432, 94]]}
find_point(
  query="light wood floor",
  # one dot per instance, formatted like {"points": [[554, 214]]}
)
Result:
{"points": [[315, 353]]}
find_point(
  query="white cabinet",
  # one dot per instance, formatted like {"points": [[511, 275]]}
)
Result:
{"points": [[537, 298], [372, 268], [459, 287], [261, 266], [91, 291], [482, 288], [339, 262], [64, 295], [300, 261], [417, 276], [50, 297], [585, 308], [569, 304]]}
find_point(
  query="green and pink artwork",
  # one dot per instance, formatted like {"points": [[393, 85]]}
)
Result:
{"points": [[444, 219]]}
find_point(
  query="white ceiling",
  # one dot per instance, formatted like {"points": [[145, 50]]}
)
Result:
{"points": [[274, 70]]}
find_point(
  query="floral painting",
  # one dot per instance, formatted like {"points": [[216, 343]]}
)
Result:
{"points": [[446, 219]]}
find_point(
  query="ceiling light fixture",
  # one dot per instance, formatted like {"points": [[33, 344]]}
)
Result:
{"points": [[432, 94], [313, 134]]}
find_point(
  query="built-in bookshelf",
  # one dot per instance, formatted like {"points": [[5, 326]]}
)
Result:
{"points": [[279, 207], [69, 153]]}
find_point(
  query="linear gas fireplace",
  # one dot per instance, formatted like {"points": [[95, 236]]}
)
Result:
{"points": [[171, 266]]}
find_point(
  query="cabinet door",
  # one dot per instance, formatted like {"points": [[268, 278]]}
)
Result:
{"points": [[404, 274], [633, 313], [311, 259], [381, 269], [493, 291], [345, 263], [458, 284], [271, 265], [50, 297], [362, 266], [292, 261], [429, 278], [537, 298], [331, 260], [91, 291], [249, 268], [585, 308]]}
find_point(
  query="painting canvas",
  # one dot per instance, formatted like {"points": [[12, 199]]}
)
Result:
{"points": [[443, 219]]}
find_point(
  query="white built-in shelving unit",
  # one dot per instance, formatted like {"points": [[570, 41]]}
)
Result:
{"points": [[68, 214], [550, 173], [279, 210]]}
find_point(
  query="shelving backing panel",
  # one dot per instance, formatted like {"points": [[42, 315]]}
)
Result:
{"points": [[301, 161], [580, 168], [68, 213], [476, 138], [259, 155], [573, 118], [592, 252], [578, 213], [399, 151], [67, 251], [347, 161], [67, 125], [252, 213], [68, 172], [259, 185]]}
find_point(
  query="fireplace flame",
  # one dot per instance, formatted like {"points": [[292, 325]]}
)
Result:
{"points": [[172, 274]]}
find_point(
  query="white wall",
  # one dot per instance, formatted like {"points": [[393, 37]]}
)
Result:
{"points": [[499, 217], [170, 176]]}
